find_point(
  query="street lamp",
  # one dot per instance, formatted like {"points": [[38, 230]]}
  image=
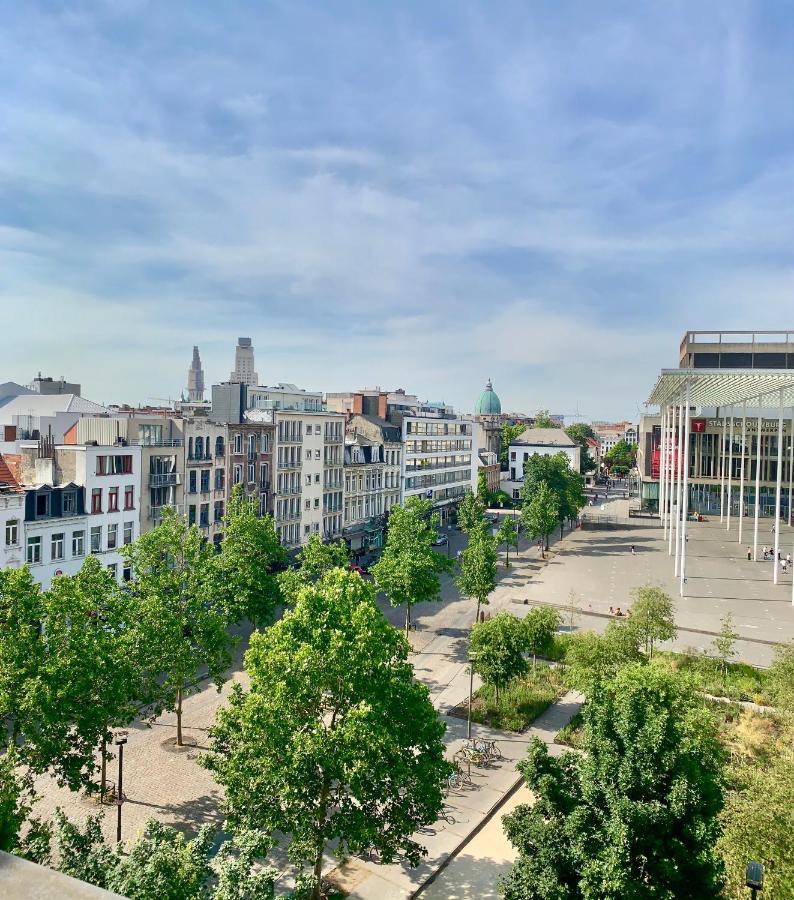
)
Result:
{"points": [[120, 742], [754, 877]]}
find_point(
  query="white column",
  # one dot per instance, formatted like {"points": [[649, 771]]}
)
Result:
{"points": [[722, 467], [662, 477], [671, 455], [679, 463], [730, 476], [791, 470], [778, 486], [741, 469], [685, 503], [757, 482]]}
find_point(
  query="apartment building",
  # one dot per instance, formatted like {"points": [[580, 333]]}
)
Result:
{"points": [[389, 436], [205, 478], [250, 457], [364, 512], [12, 516]]}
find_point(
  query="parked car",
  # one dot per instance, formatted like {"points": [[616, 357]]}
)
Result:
{"points": [[441, 541]]}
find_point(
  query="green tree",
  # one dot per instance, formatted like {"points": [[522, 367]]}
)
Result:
{"points": [[725, 642], [250, 553], [335, 738], [507, 534], [758, 824], [540, 514], [544, 420], [539, 626], [471, 512], [634, 815], [592, 659], [408, 570], [622, 455], [566, 485], [581, 433], [652, 616], [181, 620], [510, 433], [482, 488], [496, 650], [314, 560], [780, 677]]}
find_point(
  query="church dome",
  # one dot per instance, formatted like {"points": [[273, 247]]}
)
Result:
{"points": [[488, 403]]}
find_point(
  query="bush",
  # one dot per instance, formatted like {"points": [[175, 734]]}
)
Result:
{"points": [[521, 701], [742, 681]]}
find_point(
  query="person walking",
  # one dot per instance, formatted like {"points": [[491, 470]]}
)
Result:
{"points": [[749, 554], [632, 549]]}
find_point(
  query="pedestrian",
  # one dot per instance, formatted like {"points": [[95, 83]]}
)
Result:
{"points": [[632, 549], [788, 558], [749, 554]]}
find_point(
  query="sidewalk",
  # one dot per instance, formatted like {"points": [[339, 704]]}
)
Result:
{"points": [[472, 806]]}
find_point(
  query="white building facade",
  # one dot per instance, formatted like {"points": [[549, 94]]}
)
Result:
{"points": [[536, 442], [12, 519]]}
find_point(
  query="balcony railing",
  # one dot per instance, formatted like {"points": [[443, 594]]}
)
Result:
{"points": [[287, 464], [163, 479], [156, 512], [174, 443]]}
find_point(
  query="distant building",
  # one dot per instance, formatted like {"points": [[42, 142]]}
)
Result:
{"points": [[611, 433], [737, 350], [195, 379], [27, 416], [537, 441], [244, 369], [44, 385], [364, 512], [12, 516], [389, 436]]}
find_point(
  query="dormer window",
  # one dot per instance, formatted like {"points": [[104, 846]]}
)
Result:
{"points": [[42, 506], [69, 503]]}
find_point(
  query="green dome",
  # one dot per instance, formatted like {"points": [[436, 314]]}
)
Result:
{"points": [[488, 403]]}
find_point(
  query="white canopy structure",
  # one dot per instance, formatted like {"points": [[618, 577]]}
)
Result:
{"points": [[675, 393]]}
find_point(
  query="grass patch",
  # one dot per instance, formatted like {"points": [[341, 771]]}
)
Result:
{"points": [[743, 682], [572, 734], [520, 702], [751, 738]]}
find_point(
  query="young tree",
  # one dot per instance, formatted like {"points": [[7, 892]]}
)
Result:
{"points": [[725, 642], [634, 815], [315, 559], [622, 456], [507, 534], [496, 650], [408, 570], [540, 514], [482, 488], [249, 555], [544, 420], [182, 621], [510, 433], [471, 512], [595, 658], [539, 627], [566, 485], [652, 616], [335, 738]]}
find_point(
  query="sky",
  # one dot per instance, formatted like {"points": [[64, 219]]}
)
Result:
{"points": [[404, 194]]}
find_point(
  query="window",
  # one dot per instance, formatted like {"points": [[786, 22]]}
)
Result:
{"points": [[238, 443], [34, 551], [316, 526], [251, 473], [317, 478], [42, 506], [205, 480], [191, 514], [114, 465], [113, 569], [129, 497], [316, 502], [220, 479], [262, 475], [316, 454], [113, 500], [308, 479], [69, 503], [219, 449], [12, 533], [218, 510], [129, 529], [199, 448], [56, 546], [96, 538], [265, 442], [252, 445], [308, 504], [204, 515], [192, 482], [78, 543], [306, 529], [126, 573], [238, 474], [113, 536], [96, 500]]}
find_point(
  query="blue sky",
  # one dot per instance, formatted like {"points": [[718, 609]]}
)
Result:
{"points": [[405, 194]]}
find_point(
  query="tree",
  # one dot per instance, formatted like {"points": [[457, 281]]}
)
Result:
{"points": [[780, 677], [496, 650], [335, 738], [408, 570], [482, 487], [250, 553], [510, 433], [622, 455], [544, 420], [635, 814], [595, 658], [566, 485], [758, 823], [581, 433], [507, 534], [182, 621], [652, 616], [725, 642], [471, 512], [539, 626], [541, 514]]}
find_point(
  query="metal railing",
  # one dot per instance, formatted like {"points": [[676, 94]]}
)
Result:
{"points": [[163, 479]]}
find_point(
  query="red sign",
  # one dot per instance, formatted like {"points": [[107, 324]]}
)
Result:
{"points": [[698, 426]]}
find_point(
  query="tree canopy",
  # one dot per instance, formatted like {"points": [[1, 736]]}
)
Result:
{"points": [[539, 627], [510, 433], [544, 420], [622, 455], [635, 814], [496, 650], [592, 659], [581, 432], [335, 738], [555, 472], [541, 513], [507, 534], [477, 576], [652, 616], [471, 512], [314, 559]]}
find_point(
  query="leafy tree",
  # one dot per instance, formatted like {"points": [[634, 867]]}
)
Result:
{"points": [[634, 815], [181, 619], [540, 626], [581, 433], [652, 616], [780, 677], [471, 512], [622, 455], [477, 576], [510, 433], [593, 658], [496, 650], [758, 823], [540, 514], [408, 570], [725, 642], [249, 555], [507, 534], [566, 485], [544, 420], [482, 487], [335, 738]]}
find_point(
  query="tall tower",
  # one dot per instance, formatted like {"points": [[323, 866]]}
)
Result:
{"points": [[244, 363], [195, 379]]}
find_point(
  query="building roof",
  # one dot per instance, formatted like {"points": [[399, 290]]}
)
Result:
{"points": [[544, 437], [10, 389], [7, 475], [724, 387], [49, 405], [389, 431], [488, 403]]}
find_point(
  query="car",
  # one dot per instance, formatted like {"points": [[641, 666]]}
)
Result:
{"points": [[441, 541]]}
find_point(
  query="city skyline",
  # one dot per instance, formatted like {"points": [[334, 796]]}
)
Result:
{"points": [[404, 197]]}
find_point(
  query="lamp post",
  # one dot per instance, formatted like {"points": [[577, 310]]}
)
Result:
{"points": [[754, 877], [120, 742]]}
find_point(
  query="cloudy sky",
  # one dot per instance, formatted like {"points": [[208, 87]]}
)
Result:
{"points": [[397, 193]]}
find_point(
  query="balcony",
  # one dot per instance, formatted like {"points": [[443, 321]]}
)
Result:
{"points": [[156, 512], [164, 479], [152, 443], [293, 489], [288, 517], [287, 464]]}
